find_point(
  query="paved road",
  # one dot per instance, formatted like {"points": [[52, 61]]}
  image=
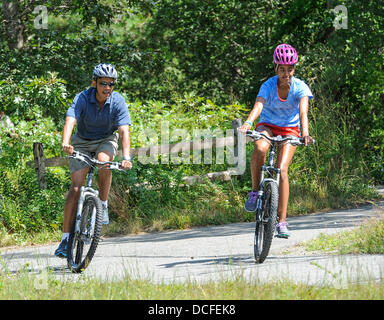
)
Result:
{"points": [[217, 252]]}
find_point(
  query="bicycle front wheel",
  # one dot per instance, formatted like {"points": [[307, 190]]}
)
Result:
{"points": [[266, 222], [83, 241]]}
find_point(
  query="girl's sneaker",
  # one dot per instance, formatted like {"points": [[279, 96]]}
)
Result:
{"points": [[282, 230], [250, 204]]}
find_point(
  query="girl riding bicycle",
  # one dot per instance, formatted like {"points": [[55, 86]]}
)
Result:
{"points": [[282, 104]]}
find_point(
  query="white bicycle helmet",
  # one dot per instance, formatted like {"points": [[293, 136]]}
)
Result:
{"points": [[104, 70]]}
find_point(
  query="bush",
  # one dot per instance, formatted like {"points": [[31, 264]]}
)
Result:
{"points": [[24, 208], [36, 98]]}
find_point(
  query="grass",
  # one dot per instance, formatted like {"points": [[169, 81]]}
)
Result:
{"points": [[368, 238], [24, 286], [14, 239]]}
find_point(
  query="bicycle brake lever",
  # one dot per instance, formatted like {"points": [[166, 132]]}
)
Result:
{"points": [[78, 156], [113, 166], [116, 166]]}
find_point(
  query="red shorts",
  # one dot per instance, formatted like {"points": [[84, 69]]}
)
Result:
{"points": [[281, 131]]}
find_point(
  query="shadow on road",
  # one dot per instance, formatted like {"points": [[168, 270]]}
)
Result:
{"points": [[242, 260]]}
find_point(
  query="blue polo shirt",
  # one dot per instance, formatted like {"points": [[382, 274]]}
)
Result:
{"points": [[94, 123], [283, 113]]}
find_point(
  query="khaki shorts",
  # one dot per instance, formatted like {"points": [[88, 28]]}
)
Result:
{"points": [[92, 148]]}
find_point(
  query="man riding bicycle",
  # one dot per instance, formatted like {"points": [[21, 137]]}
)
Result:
{"points": [[282, 104], [98, 113]]}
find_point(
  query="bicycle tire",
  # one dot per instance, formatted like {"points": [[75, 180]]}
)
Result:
{"points": [[80, 253], [265, 229]]}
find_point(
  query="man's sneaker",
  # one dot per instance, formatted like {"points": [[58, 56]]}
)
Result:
{"points": [[106, 217], [62, 250], [250, 204], [282, 230]]}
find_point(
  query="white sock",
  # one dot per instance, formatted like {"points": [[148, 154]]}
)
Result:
{"points": [[104, 203], [65, 236]]}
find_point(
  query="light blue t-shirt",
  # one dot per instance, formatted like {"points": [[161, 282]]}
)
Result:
{"points": [[94, 123], [283, 113]]}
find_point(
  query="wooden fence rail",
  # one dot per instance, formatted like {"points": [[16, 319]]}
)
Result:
{"points": [[40, 162]]}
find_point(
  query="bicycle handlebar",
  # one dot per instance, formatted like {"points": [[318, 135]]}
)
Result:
{"points": [[293, 140], [91, 161]]}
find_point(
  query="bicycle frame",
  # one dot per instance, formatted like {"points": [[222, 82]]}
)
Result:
{"points": [[88, 190], [270, 169]]}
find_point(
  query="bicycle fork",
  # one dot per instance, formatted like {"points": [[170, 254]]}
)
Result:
{"points": [[260, 194], [87, 233], [79, 209]]}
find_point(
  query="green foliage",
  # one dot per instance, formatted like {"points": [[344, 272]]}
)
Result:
{"points": [[17, 138], [24, 208], [225, 47], [354, 72], [150, 192], [35, 98], [188, 113]]}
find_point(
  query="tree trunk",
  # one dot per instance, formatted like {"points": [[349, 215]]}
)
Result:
{"points": [[13, 25]]}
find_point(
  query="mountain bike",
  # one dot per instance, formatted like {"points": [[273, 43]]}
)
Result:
{"points": [[86, 228], [268, 195]]}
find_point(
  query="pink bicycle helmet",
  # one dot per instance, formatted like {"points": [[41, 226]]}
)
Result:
{"points": [[285, 54]]}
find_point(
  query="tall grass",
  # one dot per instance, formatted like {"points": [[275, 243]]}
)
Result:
{"points": [[368, 238], [24, 286]]}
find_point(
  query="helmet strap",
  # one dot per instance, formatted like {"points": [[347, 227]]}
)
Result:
{"points": [[275, 66]]}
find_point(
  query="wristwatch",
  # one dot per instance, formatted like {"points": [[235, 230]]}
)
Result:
{"points": [[128, 158]]}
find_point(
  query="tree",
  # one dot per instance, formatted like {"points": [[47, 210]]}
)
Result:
{"points": [[14, 24], [226, 46], [16, 16]]}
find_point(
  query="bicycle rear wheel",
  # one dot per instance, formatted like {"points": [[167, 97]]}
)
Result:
{"points": [[265, 225], [83, 243]]}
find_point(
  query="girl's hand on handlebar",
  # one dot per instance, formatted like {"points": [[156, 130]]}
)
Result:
{"points": [[307, 140], [243, 129]]}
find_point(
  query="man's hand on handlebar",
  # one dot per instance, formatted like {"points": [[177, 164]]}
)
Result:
{"points": [[126, 164], [67, 148]]}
